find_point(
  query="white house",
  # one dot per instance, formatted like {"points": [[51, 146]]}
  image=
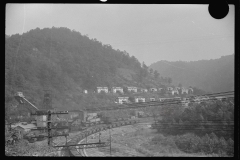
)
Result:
{"points": [[144, 90], [85, 91], [160, 89], [153, 89], [190, 90], [184, 90], [139, 99], [162, 99], [121, 100], [152, 99], [169, 88], [115, 89], [132, 89], [102, 89], [174, 91]]}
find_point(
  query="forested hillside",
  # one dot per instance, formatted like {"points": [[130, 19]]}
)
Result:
{"points": [[202, 128], [66, 62], [210, 75]]}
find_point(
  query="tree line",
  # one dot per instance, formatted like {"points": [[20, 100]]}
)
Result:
{"points": [[207, 127]]}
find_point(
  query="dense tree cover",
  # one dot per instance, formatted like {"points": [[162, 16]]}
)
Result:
{"points": [[217, 117], [66, 63], [210, 75], [62, 61], [156, 74], [212, 118], [209, 144]]}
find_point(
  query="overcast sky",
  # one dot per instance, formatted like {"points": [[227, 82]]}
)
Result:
{"points": [[150, 32]]}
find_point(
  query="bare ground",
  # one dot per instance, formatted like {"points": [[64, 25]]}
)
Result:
{"points": [[134, 141]]}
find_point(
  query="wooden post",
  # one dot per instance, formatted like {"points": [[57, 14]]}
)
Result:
{"points": [[110, 142], [49, 128], [99, 137]]}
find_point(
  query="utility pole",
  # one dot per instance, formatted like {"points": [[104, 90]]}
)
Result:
{"points": [[154, 116], [110, 142], [49, 128], [47, 106], [47, 100], [99, 137]]}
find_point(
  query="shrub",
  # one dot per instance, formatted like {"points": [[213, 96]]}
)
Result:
{"points": [[208, 144]]}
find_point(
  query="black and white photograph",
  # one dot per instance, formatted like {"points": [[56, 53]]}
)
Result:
{"points": [[119, 80]]}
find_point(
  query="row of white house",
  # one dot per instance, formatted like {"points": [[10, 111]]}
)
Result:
{"points": [[171, 90], [186, 100], [122, 100]]}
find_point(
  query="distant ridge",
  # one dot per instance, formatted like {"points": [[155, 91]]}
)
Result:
{"points": [[215, 75]]}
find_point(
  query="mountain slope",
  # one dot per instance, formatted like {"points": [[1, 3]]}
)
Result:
{"points": [[66, 62], [210, 75]]}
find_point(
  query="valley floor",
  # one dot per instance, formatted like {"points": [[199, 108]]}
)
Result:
{"points": [[134, 141]]}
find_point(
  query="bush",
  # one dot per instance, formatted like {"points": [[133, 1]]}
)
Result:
{"points": [[208, 144]]}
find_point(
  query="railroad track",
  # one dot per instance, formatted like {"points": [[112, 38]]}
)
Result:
{"points": [[73, 151]]}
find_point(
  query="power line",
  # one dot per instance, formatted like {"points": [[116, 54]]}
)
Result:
{"points": [[212, 120], [179, 126], [191, 125], [208, 129], [169, 123]]}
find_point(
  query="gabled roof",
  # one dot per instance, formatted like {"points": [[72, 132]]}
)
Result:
{"points": [[27, 126]]}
